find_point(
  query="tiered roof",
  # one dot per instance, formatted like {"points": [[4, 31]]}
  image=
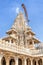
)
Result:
{"points": [[20, 26]]}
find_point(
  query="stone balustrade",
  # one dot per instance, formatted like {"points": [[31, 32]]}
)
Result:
{"points": [[18, 49], [14, 48]]}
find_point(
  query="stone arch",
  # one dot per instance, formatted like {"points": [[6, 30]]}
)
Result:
{"points": [[12, 61], [3, 61], [34, 62], [19, 61], [28, 61], [40, 62]]}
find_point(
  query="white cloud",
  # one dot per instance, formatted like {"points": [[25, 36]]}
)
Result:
{"points": [[17, 10]]}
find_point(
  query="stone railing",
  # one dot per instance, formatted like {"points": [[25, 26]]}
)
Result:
{"points": [[35, 51], [14, 48], [18, 49]]}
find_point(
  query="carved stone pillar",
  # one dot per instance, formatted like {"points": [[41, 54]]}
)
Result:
{"points": [[36, 62], [10, 41], [7, 62], [26, 44], [1, 59], [24, 62], [16, 61], [42, 60], [33, 44], [31, 59], [31, 62]]}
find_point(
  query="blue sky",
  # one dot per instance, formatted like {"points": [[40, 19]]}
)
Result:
{"points": [[35, 15]]}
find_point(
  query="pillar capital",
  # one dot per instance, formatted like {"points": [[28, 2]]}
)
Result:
{"points": [[42, 58], [31, 59], [36, 59]]}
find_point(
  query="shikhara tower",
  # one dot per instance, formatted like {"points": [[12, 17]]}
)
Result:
{"points": [[21, 33], [17, 48]]}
